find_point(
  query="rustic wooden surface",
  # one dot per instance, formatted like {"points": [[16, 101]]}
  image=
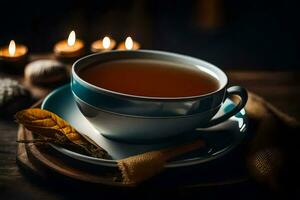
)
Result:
{"points": [[282, 88], [39, 158]]}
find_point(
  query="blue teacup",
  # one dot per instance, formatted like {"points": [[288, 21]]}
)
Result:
{"points": [[144, 119]]}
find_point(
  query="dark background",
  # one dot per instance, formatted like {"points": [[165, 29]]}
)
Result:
{"points": [[229, 33]]}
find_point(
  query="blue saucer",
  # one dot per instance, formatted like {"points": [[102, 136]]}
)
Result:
{"points": [[220, 139]]}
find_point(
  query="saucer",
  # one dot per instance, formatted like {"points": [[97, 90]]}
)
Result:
{"points": [[219, 140]]}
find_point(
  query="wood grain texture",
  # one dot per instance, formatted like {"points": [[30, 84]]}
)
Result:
{"points": [[281, 88]]}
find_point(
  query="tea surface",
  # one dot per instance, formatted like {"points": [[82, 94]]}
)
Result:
{"points": [[150, 78]]}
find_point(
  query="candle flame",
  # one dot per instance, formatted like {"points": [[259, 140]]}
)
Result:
{"points": [[128, 43], [71, 38], [106, 42], [12, 48]]}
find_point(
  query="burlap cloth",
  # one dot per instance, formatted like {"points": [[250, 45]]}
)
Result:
{"points": [[272, 154], [271, 157]]}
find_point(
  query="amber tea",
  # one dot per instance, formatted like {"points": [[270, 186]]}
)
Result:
{"points": [[150, 78]]}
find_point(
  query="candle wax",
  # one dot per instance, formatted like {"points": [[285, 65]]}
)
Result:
{"points": [[97, 46], [63, 49], [21, 50], [13, 63]]}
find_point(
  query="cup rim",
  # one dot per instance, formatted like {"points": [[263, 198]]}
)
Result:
{"points": [[156, 52]]}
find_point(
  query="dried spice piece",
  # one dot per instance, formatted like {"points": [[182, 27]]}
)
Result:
{"points": [[50, 126]]}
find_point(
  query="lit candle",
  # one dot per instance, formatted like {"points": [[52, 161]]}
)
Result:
{"points": [[129, 44], [70, 49], [13, 57], [105, 44]]}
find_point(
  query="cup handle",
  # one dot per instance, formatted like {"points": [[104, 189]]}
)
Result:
{"points": [[234, 90]]}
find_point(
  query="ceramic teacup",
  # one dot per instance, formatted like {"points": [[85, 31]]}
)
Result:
{"points": [[144, 119]]}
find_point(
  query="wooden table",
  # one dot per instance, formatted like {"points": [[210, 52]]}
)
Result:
{"points": [[282, 88]]}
